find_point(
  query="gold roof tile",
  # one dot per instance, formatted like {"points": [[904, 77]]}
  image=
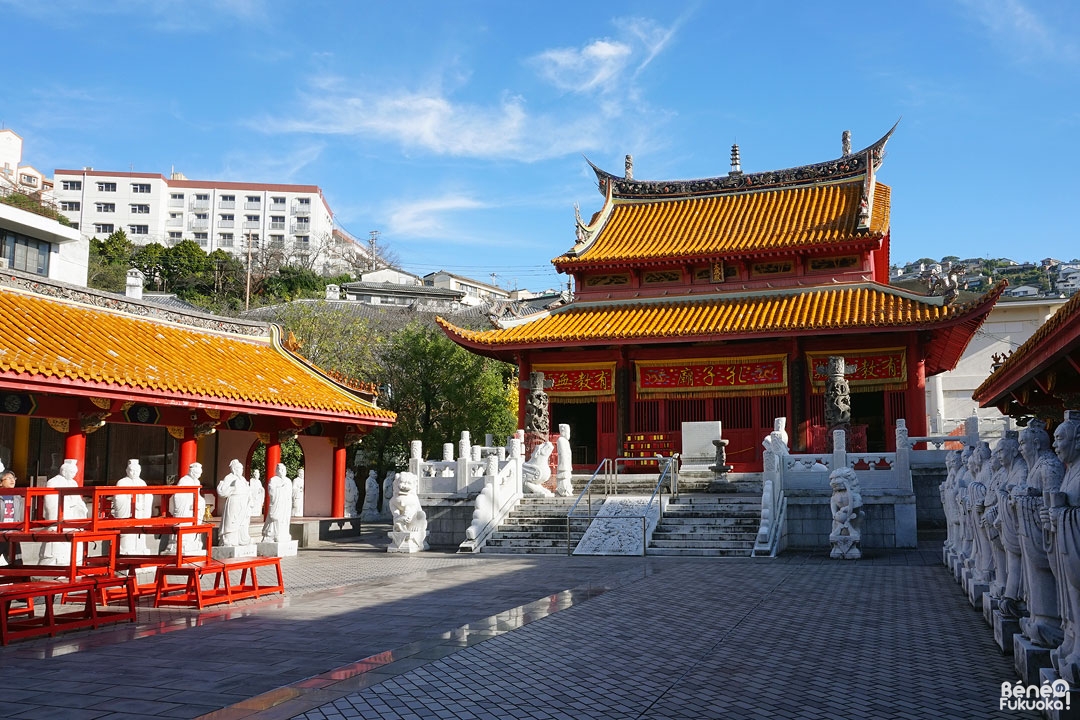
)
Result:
{"points": [[65, 342], [733, 224]]}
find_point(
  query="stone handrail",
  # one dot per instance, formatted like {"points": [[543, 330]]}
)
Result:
{"points": [[501, 493]]}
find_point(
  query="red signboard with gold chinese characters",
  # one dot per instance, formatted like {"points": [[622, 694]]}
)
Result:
{"points": [[883, 368], [578, 379], [758, 375]]}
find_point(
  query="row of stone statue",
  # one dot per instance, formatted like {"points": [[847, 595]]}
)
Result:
{"points": [[241, 500], [1013, 516]]}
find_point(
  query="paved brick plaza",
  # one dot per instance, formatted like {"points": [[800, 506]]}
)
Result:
{"points": [[363, 634]]}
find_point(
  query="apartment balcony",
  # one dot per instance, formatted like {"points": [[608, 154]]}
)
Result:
{"points": [[226, 223], [277, 226], [252, 206], [252, 225], [200, 204], [277, 207], [198, 224], [299, 229], [176, 202], [174, 222], [299, 209], [227, 204]]}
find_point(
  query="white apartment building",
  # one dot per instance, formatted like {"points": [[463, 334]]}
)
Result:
{"points": [[293, 220], [476, 292], [13, 174]]}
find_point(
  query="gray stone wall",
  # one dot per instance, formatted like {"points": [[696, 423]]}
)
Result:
{"points": [[447, 522], [888, 520], [930, 514]]}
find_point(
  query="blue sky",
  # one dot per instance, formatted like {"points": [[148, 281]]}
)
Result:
{"points": [[458, 129]]}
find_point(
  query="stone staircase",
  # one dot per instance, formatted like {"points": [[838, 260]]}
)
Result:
{"points": [[538, 526], [720, 525]]}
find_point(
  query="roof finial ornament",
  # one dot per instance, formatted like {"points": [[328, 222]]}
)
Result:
{"points": [[736, 166], [629, 167], [845, 143], [579, 225]]}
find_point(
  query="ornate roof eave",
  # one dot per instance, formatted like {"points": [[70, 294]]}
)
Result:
{"points": [[1047, 344], [951, 333], [848, 166], [868, 241]]}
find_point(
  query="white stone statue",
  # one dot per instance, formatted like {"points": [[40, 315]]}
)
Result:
{"points": [[233, 490], [276, 527], [1043, 624], [410, 521], [780, 430], [963, 479], [947, 491], [1011, 604], [124, 507], [59, 553], [387, 493], [846, 505], [257, 495], [298, 494], [352, 494], [982, 560], [482, 514], [565, 475], [1065, 521], [993, 508], [536, 471], [370, 512], [182, 505]]}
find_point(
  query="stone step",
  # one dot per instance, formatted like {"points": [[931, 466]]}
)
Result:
{"points": [[747, 545], [527, 542], [501, 534], [524, 550], [674, 537], [699, 552], [724, 514]]}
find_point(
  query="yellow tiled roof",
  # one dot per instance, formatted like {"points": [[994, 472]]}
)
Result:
{"points": [[47, 341], [750, 222], [848, 307]]}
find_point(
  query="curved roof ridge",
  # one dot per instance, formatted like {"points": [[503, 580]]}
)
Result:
{"points": [[847, 166]]}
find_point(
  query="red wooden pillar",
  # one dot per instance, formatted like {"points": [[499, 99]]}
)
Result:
{"points": [[337, 487], [915, 402], [189, 448], [75, 448], [273, 457]]}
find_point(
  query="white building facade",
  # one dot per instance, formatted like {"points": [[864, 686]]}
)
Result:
{"points": [[292, 220], [13, 174], [39, 245]]}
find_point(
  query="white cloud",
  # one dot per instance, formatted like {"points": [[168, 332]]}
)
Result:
{"points": [[1026, 35], [430, 217], [598, 65], [279, 166]]}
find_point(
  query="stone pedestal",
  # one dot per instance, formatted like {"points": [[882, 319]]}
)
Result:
{"points": [[405, 542], [225, 552], [957, 568], [1071, 709], [1029, 658], [278, 549], [975, 591], [1004, 630], [989, 605], [945, 555]]}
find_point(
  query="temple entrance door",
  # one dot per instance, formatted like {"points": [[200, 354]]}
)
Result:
{"points": [[868, 410], [581, 417]]}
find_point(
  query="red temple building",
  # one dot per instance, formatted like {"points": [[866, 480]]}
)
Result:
{"points": [[100, 378], [721, 299]]}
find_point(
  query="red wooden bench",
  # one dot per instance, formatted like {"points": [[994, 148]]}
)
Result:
{"points": [[82, 613], [190, 592]]}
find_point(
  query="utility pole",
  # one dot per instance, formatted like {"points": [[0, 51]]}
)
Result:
{"points": [[247, 292], [373, 244]]}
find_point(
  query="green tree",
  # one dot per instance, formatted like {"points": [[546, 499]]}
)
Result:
{"points": [[150, 259], [291, 282], [109, 261], [188, 268], [332, 337], [438, 389]]}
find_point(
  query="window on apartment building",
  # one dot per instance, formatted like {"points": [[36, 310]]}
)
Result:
{"points": [[140, 187], [140, 209], [176, 196], [277, 201], [227, 216], [71, 185], [277, 222], [202, 196], [106, 187], [139, 229], [106, 228], [302, 240], [303, 201], [252, 199], [251, 218], [202, 238], [105, 207], [74, 226], [70, 205], [225, 239], [174, 235], [303, 224], [29, 180], [277, 242], [202, 216], [228, 198], [25, 253]]}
